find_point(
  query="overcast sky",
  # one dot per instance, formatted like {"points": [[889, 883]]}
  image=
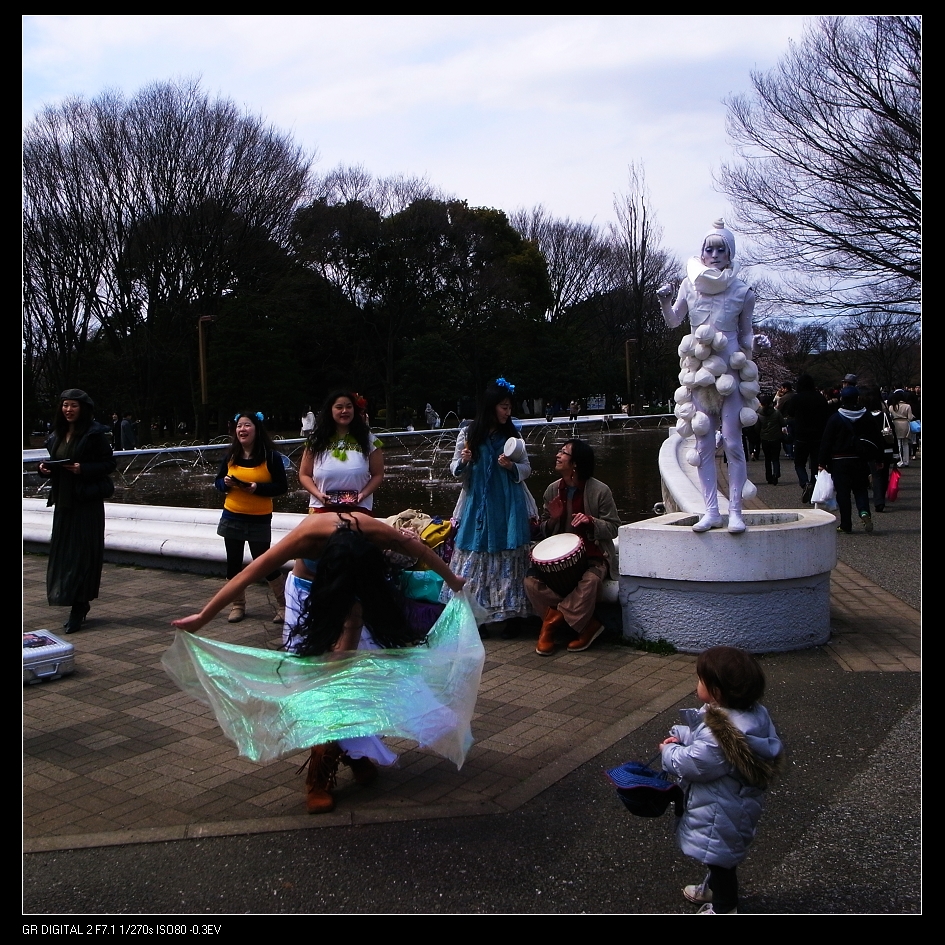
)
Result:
{"points": [[501, 111]]}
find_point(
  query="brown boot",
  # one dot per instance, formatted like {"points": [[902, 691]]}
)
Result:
{"points": [[591, 632], [237, 609], [546, 638], [277, 586], [322, 768], [363, 769]]}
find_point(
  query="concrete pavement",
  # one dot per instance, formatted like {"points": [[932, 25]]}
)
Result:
{"points": [[118, 760]]}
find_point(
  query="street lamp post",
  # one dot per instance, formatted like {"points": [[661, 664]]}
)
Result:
{"points": [[203, 433], [631, 376]]}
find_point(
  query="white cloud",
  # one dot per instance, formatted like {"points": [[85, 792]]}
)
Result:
{"points": [[500, 110]]}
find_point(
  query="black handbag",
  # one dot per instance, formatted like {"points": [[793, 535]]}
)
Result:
{"points": [[90, 490]]}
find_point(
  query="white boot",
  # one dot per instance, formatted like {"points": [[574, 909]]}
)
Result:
{"points": [[736, 524], [710, 495], [709, 520]]}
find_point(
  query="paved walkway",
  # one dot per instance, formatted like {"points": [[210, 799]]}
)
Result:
{"points": [[116, 754]]}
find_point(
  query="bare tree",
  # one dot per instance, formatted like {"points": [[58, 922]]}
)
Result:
{"points": [[640, 267], [139, 214], [791, 348], [829, 177], [386, 195], [879, 346], [577, 254]]}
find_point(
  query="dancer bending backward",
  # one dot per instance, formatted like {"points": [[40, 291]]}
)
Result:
{"points": [[349, 604], [719, 384]]}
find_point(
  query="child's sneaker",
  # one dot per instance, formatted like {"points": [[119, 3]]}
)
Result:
{"points": [[708, 910], [700, 893]]}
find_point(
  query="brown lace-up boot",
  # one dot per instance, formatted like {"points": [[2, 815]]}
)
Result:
{"points": [[322, 768]]}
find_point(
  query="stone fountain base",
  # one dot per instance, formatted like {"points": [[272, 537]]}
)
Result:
{"points": [[766, 590]]}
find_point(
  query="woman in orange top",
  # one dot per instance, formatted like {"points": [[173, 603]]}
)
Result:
{"points": [[252, 472]]}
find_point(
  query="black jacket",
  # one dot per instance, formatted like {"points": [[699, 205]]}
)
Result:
{"points": [[93, 453], [845, 434]]}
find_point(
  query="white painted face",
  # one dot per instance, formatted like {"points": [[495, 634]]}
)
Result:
{"points": [[715, 253]]}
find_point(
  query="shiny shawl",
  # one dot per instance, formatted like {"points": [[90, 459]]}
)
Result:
{"points": [[272, 704]]}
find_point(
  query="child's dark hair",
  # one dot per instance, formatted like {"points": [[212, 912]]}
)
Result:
{"points": [[733, 676], [351, 570]]}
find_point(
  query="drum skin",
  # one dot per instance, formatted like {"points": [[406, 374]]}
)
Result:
{"points": [[561, 560]]}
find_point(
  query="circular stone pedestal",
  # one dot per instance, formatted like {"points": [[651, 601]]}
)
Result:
{"points": [[766, 590]]}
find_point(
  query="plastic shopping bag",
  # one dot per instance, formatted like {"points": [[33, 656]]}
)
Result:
{"points": [[825, 495], [892, 490]]}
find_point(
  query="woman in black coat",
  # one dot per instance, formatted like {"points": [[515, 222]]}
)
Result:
{"points": [[79, 465]]}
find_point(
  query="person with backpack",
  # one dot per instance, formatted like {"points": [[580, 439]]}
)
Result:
{"points": [[852, 439]]}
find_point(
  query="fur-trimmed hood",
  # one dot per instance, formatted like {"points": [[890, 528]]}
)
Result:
{"points": [[755, 768]]}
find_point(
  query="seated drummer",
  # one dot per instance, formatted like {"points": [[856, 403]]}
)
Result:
{"points": [[583, 505]]}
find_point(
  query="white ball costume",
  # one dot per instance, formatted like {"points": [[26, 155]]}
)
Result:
{"points": [[719, 382]]}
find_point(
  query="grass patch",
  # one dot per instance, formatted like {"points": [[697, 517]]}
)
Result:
{"points": [[660, 647]]}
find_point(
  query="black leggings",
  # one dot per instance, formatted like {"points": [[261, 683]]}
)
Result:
{"points": [[234, 556], [724, 885]]}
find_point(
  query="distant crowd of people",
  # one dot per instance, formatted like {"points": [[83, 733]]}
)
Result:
{"points": [[855, 431]]}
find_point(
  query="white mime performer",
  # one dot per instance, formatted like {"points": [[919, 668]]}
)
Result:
{"points": [[719, 382]]}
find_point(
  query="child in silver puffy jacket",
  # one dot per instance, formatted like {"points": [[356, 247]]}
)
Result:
{"points": [[725, 756]]}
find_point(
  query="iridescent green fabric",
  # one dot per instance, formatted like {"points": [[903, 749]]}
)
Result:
{"points": [[271, 704]]}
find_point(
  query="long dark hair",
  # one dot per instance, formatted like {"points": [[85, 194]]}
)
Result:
{"points": [[351, 570], [486, 418], [262, 445], [325, 428], [61, 425]]}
